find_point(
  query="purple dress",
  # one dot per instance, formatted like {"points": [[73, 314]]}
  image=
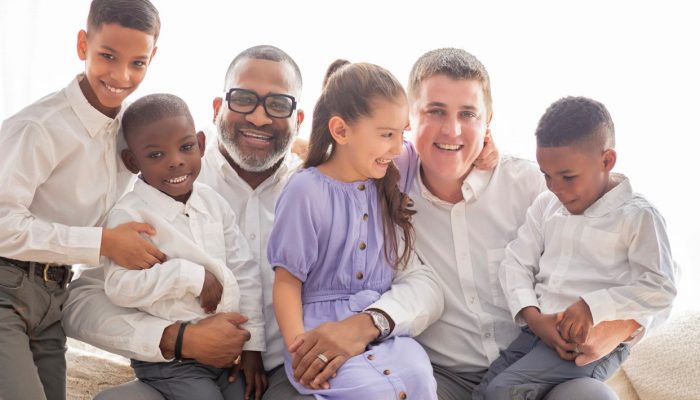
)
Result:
{"points": [[329, 235]]}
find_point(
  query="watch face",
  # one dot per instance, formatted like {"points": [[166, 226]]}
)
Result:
{"points": [[380, 322]]}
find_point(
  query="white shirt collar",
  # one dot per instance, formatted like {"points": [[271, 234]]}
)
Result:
{"points": [[92, 119], [473, 186], [166, 205]]}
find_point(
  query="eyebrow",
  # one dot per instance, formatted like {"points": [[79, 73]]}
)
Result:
{"points": [[443, 105], [562, 172]]}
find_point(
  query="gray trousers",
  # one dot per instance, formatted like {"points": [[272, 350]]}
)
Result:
{"points": [[32, 341], [188, 380], [278, 388], [529, 369], [459, 386]]}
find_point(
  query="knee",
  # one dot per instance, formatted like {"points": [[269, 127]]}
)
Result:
{"points": [[582, 389]]}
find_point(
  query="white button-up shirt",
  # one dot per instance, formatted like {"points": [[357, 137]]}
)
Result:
{"points": [[201, 234], [414, 301], [464, 243], [60, 173], [615, 256]]}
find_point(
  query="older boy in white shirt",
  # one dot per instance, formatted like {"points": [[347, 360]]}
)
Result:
{"points": [[210, 266], [590, 250]]}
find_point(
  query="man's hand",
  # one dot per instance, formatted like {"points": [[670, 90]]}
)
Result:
{"points": [[604, 338], [216, 340], [210, 297], [126, 247], [576, 322], [254, 373], [337, 341], [488, 158], [545, 327], [300, 147]]}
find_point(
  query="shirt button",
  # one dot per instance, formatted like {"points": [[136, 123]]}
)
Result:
{"points": [[471, 300], [403, 396], [252, 236], [361, 186], [370, 357], [359, 275], [387, 372], [363, 245], [365, 217], [487, 335]]}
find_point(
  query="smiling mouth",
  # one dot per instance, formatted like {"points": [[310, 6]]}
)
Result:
{"points": [[383, 161], [178, 180], [448, 147], [256, 136], [113, 89]]}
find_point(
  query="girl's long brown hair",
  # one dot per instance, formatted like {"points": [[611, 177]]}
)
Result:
{"points": [[348, 92]]}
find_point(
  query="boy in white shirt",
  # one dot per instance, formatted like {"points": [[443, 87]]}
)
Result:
{"points": [[589, 251], [59, 175], [210, 267]]}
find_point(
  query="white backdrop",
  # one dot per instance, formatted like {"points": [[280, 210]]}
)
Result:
{"points": [[641, 59]]}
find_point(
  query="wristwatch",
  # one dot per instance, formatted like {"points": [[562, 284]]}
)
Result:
{"points": [[381, 323]]}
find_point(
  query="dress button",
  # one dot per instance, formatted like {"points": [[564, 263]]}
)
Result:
{"points": [[387, 372], [361, 186], [359, 275], [365, 217], [370, 357], [403, 396], [363, 245]]}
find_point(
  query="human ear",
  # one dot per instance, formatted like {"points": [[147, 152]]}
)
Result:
{"points": [[216, 104], [81, 45], [201, 141], [130, 161], [338, 129], [609, 159], [300, 119]]}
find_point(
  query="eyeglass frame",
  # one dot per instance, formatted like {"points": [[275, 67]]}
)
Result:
{"points": [[260, 100]]}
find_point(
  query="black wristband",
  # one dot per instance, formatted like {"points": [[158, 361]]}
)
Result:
{"points": [[178, 341]]}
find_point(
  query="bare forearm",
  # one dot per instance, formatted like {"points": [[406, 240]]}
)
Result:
{"points": [[286, 298], [167, 341]]}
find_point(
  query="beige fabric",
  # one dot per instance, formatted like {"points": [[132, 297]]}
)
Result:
{"points": [[621, 384], [665, 365], [91, 370]]}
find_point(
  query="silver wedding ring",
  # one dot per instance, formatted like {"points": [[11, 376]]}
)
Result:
{"points": [[576, 349], [323, 358]]}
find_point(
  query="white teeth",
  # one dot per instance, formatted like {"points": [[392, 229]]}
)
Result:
{"points": [[113, 89], [383, 161], [450, 147], [254, 136], [177, 180]]}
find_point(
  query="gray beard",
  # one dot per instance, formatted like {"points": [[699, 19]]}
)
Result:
{"points": [[250, 162]]}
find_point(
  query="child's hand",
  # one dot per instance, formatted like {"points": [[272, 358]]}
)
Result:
{"points": [[545, 327], [211, 293], [577, 321], [125, 246], [488, 158], [254, 373]]}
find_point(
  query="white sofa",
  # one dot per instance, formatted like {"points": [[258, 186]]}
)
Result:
{"points": [[665, 366]]}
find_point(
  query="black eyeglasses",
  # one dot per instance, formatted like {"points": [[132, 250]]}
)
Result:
{"points": [[245, 101]]}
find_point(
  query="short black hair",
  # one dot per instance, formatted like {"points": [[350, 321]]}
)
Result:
{"points": [[152, 108], [573, 120], [265, 52], [135, 14]]}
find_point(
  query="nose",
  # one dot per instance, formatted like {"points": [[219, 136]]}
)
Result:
{"points": [[556, 186], [396, 145], [176, 161], [258, 117], [451, 127]]}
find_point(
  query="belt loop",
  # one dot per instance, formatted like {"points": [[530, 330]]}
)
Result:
{"points": [[32, 268], [67, 276]]}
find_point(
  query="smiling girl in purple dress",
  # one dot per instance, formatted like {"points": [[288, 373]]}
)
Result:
{"points": [[342, 230]]}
